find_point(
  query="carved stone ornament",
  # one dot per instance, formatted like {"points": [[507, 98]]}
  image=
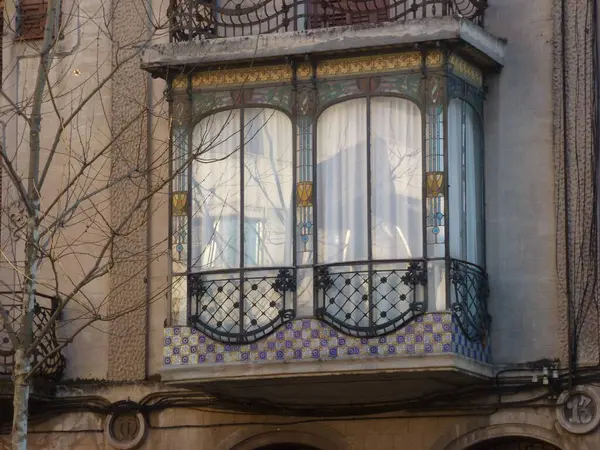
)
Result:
{"points": [[577, 410], [125, 431]]}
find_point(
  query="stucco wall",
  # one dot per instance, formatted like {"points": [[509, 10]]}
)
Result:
{"points": [[128, 301], [82, 56], [520, 205], [198, 429]]}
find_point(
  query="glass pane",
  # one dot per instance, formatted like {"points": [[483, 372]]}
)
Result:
{"points": [[434, 163], [466, 182], [304, 191], [456, 179], [178, 301], [216, 192], [342, 182], [436, 285], [474, 186], [268, 188], [396, 180]]}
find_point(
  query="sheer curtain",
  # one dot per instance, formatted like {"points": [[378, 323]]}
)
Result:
{"points": [[474, 187], [396, 179], [455, 179], [216, 194], [342, 182], [465, 180], [267, 194], [268, 188], [342, 196]]}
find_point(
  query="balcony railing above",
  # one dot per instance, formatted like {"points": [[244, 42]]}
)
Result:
{"points": [[200, 19], [52, 366]]}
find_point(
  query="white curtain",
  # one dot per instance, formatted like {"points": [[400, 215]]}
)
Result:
{"points": [[342, 197], [466, 183], [474, 187], [396, 181], [342, 182], [268, 188], [217, 193]]}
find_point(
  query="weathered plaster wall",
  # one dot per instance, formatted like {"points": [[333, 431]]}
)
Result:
{"points": [[159, 268], [520, 207], [202, 430], [576, 173], [82, 56], [128, 303]]}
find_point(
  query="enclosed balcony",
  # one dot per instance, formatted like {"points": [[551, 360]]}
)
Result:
{"points": [[200, 19], [327, 212], [327, 217], [49, 364]]}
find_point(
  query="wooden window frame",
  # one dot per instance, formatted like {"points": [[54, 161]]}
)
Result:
{"points": [[31, 19]]}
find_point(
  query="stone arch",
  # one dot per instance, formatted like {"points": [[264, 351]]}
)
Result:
{"points": [[316, 436], [493, 435]]}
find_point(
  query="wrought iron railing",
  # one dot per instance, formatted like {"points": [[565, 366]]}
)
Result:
{"points": [[197, 19], [240, 307], [52, 365], [370, 299], [469, 299]]}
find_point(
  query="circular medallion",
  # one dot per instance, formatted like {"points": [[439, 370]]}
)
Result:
{"points": [[577, 410], [125, 431]]}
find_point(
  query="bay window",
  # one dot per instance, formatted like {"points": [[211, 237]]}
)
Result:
{"points": [[358, 201]]}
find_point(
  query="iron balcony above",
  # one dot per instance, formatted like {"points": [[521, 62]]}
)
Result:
{"points": [[201, 19], [53, 364]]}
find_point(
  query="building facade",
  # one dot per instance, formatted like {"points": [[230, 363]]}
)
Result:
{"points": [[371, 224]]}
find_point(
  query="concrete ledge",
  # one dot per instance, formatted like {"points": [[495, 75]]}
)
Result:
{"points": [[223, 50], [183, 374]]}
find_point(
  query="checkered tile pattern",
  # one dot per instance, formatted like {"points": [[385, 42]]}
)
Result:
{"points": [[469, 349], [311, 339]]}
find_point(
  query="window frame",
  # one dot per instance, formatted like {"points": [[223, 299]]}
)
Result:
{"points": [[279, 279]]}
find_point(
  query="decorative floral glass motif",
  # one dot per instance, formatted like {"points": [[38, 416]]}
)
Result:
{"points": [[179, 203], [305, 102], [179, 189], [434, 163]]}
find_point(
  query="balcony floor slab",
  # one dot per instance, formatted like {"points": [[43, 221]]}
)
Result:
{"points": [[483, 45]]}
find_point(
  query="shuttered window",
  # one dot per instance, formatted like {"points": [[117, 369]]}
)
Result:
{"points": [[332, 13], [1, 53], [32, 18]]}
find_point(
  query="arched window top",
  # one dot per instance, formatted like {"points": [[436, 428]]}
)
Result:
{"points": [[369, 159]]}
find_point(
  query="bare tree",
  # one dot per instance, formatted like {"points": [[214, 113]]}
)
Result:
{"points": [[60, 167]]}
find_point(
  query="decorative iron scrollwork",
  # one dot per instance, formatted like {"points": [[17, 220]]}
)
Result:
{"points": [[373, 299], [200, 19], [415, 274], [53, 366], [285, 281], [238, 307], [469, 303]]}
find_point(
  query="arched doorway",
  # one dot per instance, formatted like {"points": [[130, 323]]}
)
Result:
{"points": [[513, 443], [286, 446]]}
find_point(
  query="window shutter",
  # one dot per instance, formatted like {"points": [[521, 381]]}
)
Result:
{"points": [[1, 54], [32, 18], [333, 13]]}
